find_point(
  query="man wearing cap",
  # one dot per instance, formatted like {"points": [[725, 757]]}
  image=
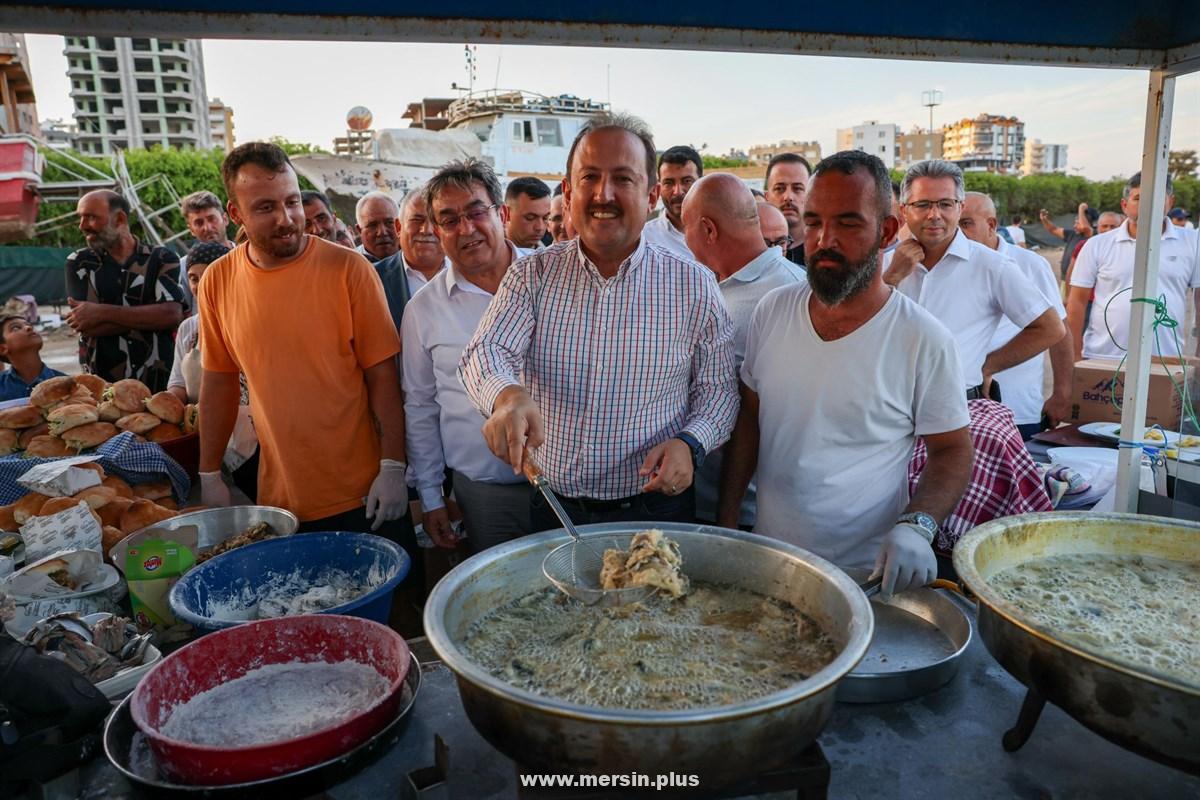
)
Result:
{"points": [[1180, 218]]}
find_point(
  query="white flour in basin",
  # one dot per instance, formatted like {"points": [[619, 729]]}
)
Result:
{"points": [[277, 594], [276, 702]]}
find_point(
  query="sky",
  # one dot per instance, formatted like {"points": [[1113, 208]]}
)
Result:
{"points": [[302, 90]]}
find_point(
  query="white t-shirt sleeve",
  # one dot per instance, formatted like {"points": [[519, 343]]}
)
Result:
{"points": [[758, 323], [1087, 265], [1193, 238], [1013, 294], [1043, 277], [939, 402]]}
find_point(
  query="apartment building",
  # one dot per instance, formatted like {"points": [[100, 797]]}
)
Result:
{"points": [[989, 142], [878, 139]]}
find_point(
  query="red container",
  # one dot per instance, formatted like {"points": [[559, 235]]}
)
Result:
{"points": [[20, 172], [185, 450], [226, 655]]}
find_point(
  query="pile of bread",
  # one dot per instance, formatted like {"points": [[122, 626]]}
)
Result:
{"points": [[68, 414], [118, 507]]}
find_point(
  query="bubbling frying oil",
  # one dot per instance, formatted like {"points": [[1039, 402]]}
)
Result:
{"points": [[1141, 610], [717, 646]]}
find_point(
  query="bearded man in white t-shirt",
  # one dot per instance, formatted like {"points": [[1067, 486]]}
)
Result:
{"points": [[841, 375]]}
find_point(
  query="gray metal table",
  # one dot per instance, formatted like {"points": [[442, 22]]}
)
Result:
{"points": [[946, 744]]}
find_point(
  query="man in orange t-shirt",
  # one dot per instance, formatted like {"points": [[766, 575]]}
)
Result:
{"points": [[307, 323]]}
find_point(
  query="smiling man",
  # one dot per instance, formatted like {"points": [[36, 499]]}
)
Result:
{"points": [[443, 426], [887, 375], [678, 168], [614, 358], [124, 296], [306, 322], [967, 286], [318, 216]]}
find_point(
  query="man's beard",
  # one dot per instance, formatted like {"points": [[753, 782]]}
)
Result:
{"points": [[106, 239], [278, 249], [834, 285]]}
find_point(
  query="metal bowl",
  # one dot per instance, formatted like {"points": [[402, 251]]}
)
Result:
{"points": [[722, 744], [1144, 711], [214, 525]]}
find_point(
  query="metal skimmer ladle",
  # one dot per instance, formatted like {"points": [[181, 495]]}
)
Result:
{"points": [[574, 567]]}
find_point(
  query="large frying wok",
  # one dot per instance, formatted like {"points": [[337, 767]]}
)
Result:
{"points": [[722, 745], [1149, 713]]}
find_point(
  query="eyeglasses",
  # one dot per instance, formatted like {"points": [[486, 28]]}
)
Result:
{"points": [[783, 241], [944, 206], [474, 216]]}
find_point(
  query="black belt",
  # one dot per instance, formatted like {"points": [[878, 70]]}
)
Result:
{"points": [[591, 504], [976, 392]]}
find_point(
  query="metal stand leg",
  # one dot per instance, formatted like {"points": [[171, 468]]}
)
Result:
{"points": [[1031, 710]]}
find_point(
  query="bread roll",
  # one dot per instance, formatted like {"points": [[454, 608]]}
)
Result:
{"points": [[7, 522], [191, 419], [142, 422], [27, 435], [28, 506], [20, 417], [110, 513], [85, 436], [66, 417], [119, 485], [47, 446], [142, 513], [57, 504], [164, 432], [166, 407], [96, 496], [109, 412], [168, 503], [52, 391], [153, 490], [130, 395], [94, 384], [9, 441], [111, 536]]}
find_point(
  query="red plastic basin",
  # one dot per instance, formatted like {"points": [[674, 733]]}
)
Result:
{"points": [[226, 655]]}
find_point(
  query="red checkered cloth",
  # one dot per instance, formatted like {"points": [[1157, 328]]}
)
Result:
{"points": [[1004, 479]]}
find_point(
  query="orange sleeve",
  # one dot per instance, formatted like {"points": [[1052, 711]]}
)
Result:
{"points": [[375, 337], [214, 350]]}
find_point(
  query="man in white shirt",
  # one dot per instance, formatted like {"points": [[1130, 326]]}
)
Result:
{"points": [[1016, 232], [1105, 266], [1023, 383], [832, 460], [442, 426], [969, 288], [421, 254], [678, 168], [722, 225]]}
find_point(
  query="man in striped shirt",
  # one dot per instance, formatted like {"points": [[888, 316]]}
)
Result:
{"points": [[614, 354]]}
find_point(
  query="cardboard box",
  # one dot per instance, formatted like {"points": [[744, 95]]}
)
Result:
{"points": [[1096, 382]]}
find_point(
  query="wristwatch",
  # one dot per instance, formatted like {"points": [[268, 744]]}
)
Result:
{"points": [[694, 445], [927, 524]]}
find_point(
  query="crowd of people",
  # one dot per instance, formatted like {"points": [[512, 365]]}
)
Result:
{"points": [[838, 361]]}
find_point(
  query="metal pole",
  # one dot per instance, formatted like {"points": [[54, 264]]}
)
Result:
{"points": [[1159, 103]]}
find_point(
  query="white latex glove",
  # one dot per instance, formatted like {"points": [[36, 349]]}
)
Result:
{"points": [[905, 560], [388, 498], [213, 491]]}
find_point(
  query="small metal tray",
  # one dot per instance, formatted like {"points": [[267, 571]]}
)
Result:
{"points": [[119, 731], [919, 637]]}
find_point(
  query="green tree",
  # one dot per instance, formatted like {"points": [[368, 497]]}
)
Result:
{"points": [[1182, 164], [296, 148]]}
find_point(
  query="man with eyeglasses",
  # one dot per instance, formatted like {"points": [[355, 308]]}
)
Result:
{"points": [[614, 358], [443, 427], [723, 229], [679, 168], [774, 227], [967, 286]]}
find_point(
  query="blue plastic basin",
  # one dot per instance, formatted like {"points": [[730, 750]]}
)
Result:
{"points": [[225, 590]]}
